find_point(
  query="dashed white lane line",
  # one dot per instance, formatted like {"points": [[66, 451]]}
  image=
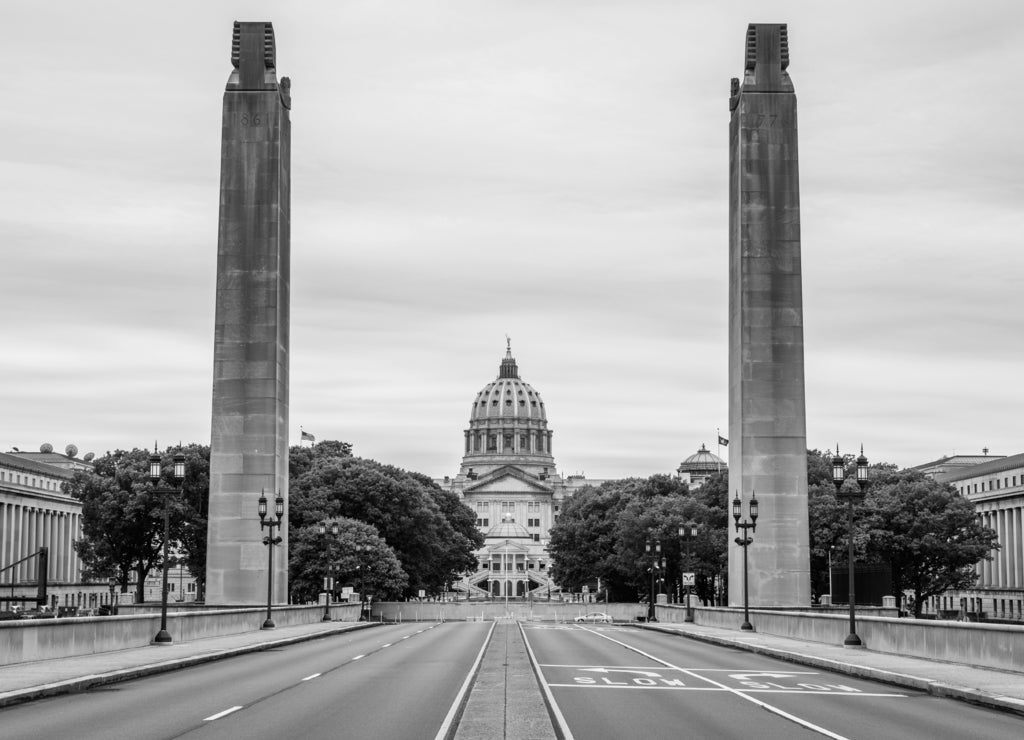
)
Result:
{"points": [[406, 637], [222, 714], [388, 645], [310, 678], [358, 657]]}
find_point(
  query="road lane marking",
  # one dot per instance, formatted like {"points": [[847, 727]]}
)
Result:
{"points": [[743, 695], [222, 714], [358, 657], [388, 645], [457, 704], [555, 709], [310, 678], [649, 674]]}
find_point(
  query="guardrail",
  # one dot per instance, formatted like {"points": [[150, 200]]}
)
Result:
{"points": [[987, 645], [45, 639]]}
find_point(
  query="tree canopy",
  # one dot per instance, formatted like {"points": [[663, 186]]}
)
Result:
{"points": [[928, 534], [357, 556], [603, 533], [431, 532], [122, 514]]}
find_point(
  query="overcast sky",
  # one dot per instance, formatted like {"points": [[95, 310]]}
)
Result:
{"points": [[554, 170]]}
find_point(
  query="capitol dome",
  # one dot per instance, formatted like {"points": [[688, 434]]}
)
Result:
{"points": [[508, 426], [702, 461], [700, 466]]}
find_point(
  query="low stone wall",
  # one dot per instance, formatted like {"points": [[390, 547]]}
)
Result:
{"points": [[429, 611], [45, 639], [985, 645]]}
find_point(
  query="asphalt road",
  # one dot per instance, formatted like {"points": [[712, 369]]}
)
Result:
{"points": [[402, 681], [395, 681], [623, 682]]}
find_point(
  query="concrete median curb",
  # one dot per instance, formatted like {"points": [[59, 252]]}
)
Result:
{"points": [[83, 683], [927, 685]]}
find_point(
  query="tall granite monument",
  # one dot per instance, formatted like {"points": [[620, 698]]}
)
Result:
{"points": [[768, 437], [249, 442]]}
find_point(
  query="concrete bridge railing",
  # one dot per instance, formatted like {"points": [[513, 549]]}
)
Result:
{"points": [[45, 639], [985, 645], [546, 611]]}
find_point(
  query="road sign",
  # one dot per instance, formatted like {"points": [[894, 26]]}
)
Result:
{"points": [[689, 579]]}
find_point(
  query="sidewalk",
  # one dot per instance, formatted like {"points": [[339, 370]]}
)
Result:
{"points": [[986, 687], [26, 681]]}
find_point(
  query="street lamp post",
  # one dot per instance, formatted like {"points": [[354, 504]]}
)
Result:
{"points": [[686, 533], [361, 552], [163, 637], [655, 548], [270, 541], [850, 496], [745, 541], [322, 529]]}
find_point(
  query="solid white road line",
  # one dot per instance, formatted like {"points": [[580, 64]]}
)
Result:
{"points": [[222, 714], [450, 717], [764, 705], [566, 732]]}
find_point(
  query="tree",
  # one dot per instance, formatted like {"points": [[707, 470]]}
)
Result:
{"points": [[602, 533], [357, 556], [122, 516], [927, 532], [425, 527]]}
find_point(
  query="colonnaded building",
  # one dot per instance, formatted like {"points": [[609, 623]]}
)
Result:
{"points": [[35, 512]]}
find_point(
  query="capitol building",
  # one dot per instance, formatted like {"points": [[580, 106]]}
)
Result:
{"points": [[509, 478]]}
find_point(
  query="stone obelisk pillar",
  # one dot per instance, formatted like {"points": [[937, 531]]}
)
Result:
{"points": [[767, 428], [249, 442]]}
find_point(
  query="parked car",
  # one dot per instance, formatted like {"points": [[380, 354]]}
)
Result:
{"points": [[594, 617]]}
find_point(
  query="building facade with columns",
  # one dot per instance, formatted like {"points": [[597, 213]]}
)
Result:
{"points": [[996, 488], [509, 478], [35, 512]]}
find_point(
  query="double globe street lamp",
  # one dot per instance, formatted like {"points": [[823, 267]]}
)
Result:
{"points": [[163, 637], [687, 533], [270, 541], [745, 541], [655, 549], [850, 495], [322, 529]]}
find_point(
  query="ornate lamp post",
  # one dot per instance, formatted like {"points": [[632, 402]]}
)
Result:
{"points": [[745, 541], [654, 548], [686, 534], [850, 496], [270, 541], [322, 529], [163, 637]]}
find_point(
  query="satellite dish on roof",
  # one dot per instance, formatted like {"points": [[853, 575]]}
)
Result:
{"points": [[71, 450], [89, 456], [46, 447]]}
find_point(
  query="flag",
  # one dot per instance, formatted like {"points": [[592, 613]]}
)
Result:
{"points": [[307, 437], [722, 441]]}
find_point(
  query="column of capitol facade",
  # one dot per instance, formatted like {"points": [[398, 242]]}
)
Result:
{"points": [[35, 512], [508, 477]]}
